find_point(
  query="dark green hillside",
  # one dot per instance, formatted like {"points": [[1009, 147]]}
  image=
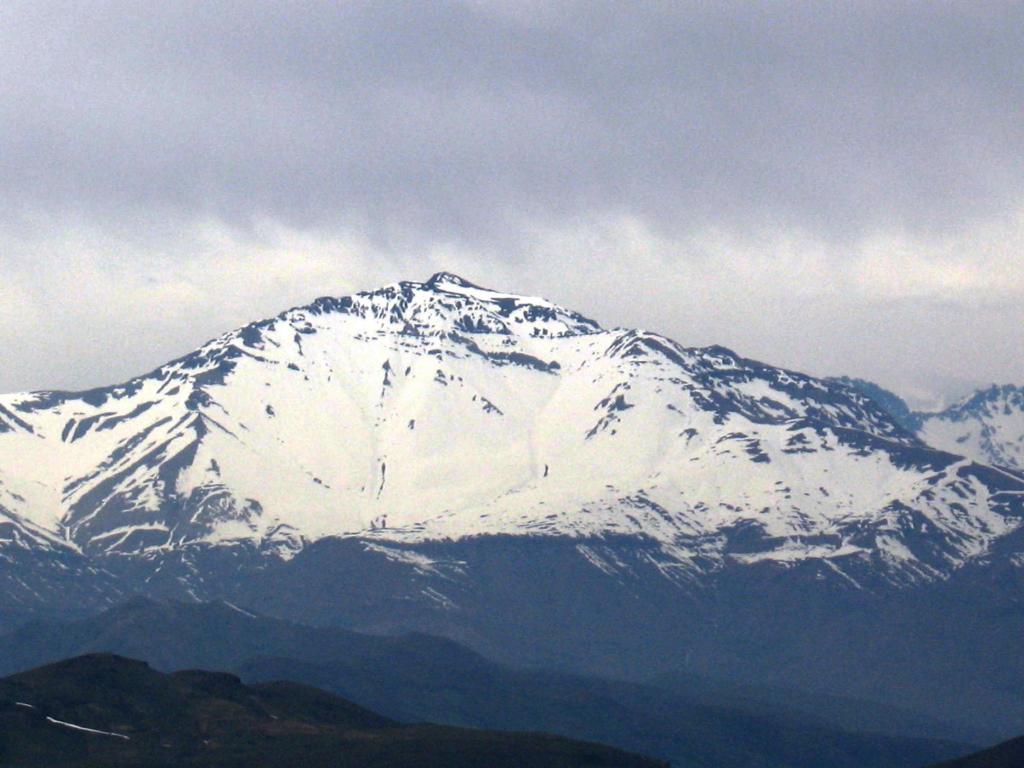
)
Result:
{"points": [[105, 710]]}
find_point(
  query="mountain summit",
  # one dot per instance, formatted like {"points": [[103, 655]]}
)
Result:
{"points": [[449, 278]]}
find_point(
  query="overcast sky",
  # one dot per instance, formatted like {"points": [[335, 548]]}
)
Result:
{"points": [[833, 187]]}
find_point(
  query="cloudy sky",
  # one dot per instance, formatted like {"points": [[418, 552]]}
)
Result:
{"points": [[833, 187]]}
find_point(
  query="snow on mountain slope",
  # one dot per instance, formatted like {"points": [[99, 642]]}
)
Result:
{"points": [[444, 410], [988, 425]]}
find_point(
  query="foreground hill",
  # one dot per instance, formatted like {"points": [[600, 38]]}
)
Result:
{"points": [[1009, 754], [106, 710], [414, 678]]}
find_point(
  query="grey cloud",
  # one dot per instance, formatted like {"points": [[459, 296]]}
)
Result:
{"points": [[506, 137], [457, 121]]}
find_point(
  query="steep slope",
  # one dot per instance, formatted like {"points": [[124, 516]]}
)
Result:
{"points": [[104, 710], [888, 401], [415, 678], [37, 568]]}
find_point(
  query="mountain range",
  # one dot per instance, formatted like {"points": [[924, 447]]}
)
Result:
{"points": [[987, 425], [440, 457], [416, 678]]}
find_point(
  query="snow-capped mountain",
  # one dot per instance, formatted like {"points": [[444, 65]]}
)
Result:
{"points": [[442, 410], [441, 457], [988, 425]]}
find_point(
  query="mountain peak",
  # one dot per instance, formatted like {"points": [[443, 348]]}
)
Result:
{"points": [[991, 394], [450, 278], [446, 303]]}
